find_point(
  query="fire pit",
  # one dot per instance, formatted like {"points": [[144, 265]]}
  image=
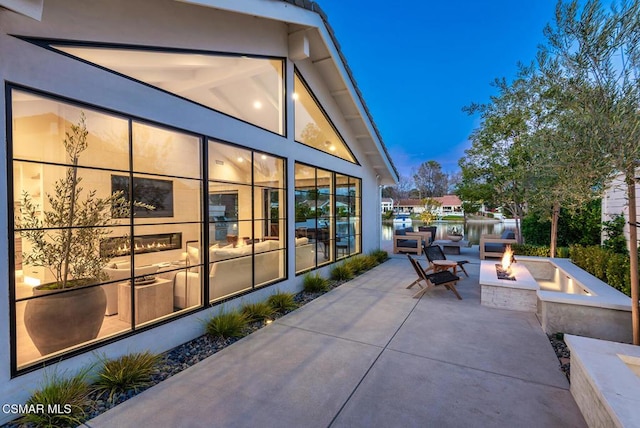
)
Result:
{"points": [[503, 270], [508, 285]]}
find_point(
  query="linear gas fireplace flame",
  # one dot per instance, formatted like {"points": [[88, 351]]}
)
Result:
{"points": [[115, 247], [503, 270]]}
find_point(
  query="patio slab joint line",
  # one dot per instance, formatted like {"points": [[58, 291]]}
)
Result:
{"points": [[372, 364]]}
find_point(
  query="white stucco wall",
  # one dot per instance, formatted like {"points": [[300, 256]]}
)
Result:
{"points": [[173, 24], [615, 202]]}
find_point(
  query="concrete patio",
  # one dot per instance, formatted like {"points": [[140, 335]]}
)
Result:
{"points": [[369, 355]]}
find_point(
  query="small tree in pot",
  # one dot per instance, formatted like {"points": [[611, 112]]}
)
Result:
{"points": [[66, 241]]}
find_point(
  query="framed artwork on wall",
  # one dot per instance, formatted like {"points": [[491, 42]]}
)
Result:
{"points": [[151, 191]]}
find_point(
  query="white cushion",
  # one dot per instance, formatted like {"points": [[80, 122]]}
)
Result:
{"points": [[193, 255], [123, 265], [302, 241]]}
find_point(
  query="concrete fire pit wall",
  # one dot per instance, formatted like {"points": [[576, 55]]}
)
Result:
{"points": [[594, 310], [581, 303], [589, 321]]}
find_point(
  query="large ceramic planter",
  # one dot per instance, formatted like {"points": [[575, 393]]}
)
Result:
{"points": [[59, 320]]}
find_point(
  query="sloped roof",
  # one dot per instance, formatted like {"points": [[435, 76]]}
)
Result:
{"points": [[449, 200], [315, 7], [410, 203]]}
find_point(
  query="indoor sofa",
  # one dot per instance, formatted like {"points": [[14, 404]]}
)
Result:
{"points": [[231, 270]]}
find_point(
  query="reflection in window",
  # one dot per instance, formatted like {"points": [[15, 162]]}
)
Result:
{"points": [[246, 194], [327, 207], [248, 88], [312, 126]]}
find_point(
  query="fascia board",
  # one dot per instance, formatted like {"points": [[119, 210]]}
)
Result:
{"points": [[277, 10]]}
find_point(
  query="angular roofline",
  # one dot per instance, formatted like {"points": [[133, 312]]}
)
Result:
{"points": [[315, 7], [291, 11]]}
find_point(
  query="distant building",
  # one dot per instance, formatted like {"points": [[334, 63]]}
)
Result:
{"points": [[449, 205], [415, 206], [386, 204]]}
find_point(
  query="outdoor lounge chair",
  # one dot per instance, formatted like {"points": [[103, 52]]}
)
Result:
{"points": [[434, 252], [408, 241], [430, 229], [444, 278], [494, 245]]}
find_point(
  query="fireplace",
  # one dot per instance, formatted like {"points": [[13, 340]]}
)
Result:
{"points": [[115, 247]]}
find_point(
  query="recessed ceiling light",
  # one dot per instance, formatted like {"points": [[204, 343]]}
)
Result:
{"points": [[295, 96], [257, 105], [263, 157], [240, 159], [332, 148]]}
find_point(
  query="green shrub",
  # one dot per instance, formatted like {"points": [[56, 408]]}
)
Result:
{"points": [[257, 311], [614, 231], [381, 256], [531, 250], [610, 267], [562, 252], [618, 273], [227, 324], [361, 263], [341, 272], [314, 283], [282, 302], [580, 227], [70, 393], [129, 372]]}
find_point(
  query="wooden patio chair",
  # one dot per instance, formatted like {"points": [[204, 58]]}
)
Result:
{"points": [[444, 278], [437, 260]]}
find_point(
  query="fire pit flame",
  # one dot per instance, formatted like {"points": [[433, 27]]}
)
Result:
{"points": [[503, 270], [507, 257]]}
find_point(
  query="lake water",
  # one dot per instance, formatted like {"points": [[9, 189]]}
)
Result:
{"points": [[471, 232]]}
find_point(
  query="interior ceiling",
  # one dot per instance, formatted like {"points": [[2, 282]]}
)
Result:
{"points": [[230, 84]]}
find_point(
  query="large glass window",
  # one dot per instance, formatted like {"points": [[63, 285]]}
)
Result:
{"points": [[245, 87], [327, 216], [103, 206], [100, 202], [108, 221], [313, 127], [247, 220]]}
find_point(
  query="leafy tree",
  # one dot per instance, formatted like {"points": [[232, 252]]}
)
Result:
{"points": [[599, 54], [497, 167], [430, 180], [400, 190], [430, 205], [567, 172], [583, 226]]}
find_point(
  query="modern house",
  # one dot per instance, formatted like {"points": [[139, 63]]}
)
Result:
{"points": [[166, 144]]}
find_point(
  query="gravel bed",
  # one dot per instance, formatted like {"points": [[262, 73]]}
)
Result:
{"points": [[562, 352], [181, 358]]}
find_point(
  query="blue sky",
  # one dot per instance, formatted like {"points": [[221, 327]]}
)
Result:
{"points": [[418, 63]]}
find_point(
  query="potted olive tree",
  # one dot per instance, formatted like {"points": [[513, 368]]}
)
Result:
{"points": [[65, 239]]}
